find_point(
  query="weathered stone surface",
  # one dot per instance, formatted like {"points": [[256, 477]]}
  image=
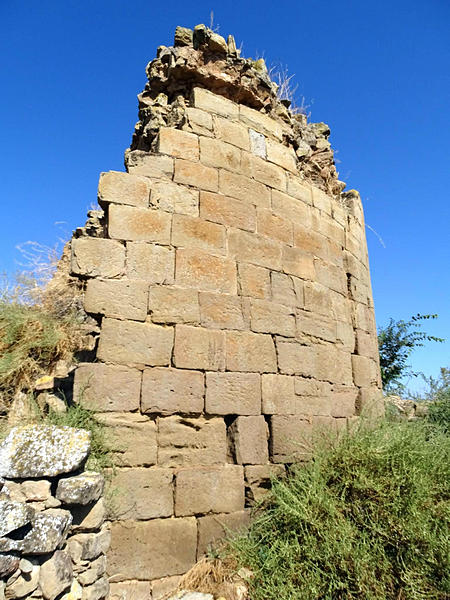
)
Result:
{"points": [[244, 188], [254, 249], [258, 479], [196, 268], [260, 122], [196, 175], [325, 362], [149, 165], [187, 442], [132, 438], [88, 546], [129, 342], [201, 490], [161, 588], [233, 393], [97, 590], [199, 348], [291, 438], [48, 531], [227, 211], [180, 144], [81, 489], [270, 317], [273, 226], [97, 257], [43, 451], [88, 518], [257, 143], [184, 595], [220, 311], [123, 188], [233, 133], [254, 352], [174, 198], [171, 552], [55, 575], [263, 171], [254, 281], [106, 388], [198, 121], [216, 153], [210, 102], [194, 232], [13, 515], [213, 528], [117, 299], [131, 590], [249, 438], [150, 262], [143, 493], [168, 391], [138, 224], [8, 564], [24, 585]]}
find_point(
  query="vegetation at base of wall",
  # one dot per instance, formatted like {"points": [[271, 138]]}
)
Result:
{"points": [[396, 342], [368, 518]]}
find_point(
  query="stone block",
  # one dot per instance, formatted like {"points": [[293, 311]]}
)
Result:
{"points": [[167, 391], [139, 224], [199, 348], [283, 290], [120, 299], [317, 298], [90, 517], [278, 394], [172, 550], [282, 156], [298, 263], [122, 188], [263, 171], [299, 189], [177, 143], [128, 342], [244, 188], [290, 438], [161, 588], [366, 344], [310, 241], [232, 133], [321, 200], [324, 362], [206, 100], [55, 575], [199, 121], [173, 305], [214, 528], [291, 208], [174, 198], [83, 489], [131, 437], [250, 352], [258, 144], [103, 387], [193, 232], [261, 122], [150, 262], [370, 402], [233, 393], [345, 335], [96, 570], [96, 591], [156, 166], [270, 317], [254, 281], [254, 249], [219, 154], [258, 479], [365, 371], [196, 268], [97, 257], [143, 493], [275, 227], [227, 211], [88, 546], [343, 401], [196, 175], [249, 439], [201, 490], [313, 325], [221, 311], [188, 442], [331, 277], [130, 590]]}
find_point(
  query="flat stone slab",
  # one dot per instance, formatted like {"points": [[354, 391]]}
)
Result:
{"points": [[81, 489], [13, 515], [43, 451]]}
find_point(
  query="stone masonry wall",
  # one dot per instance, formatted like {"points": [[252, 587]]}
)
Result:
{"points": [[231, 280]]}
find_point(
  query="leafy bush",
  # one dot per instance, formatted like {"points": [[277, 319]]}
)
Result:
{"points": [[367, 519], [396, 341]]}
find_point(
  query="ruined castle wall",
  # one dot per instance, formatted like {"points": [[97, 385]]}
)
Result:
{"points": [[236, 318]]}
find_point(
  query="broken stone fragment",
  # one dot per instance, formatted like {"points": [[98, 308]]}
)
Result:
{"points": [[200, 35], [321, 129], [217, 43], [183, 36], [43, 451], [87, 546], [75, 592], [81, 489], [8, 564], [22, 585], [231, 43], [13, 515], [48, 531], [97, 590], [56, 575]]}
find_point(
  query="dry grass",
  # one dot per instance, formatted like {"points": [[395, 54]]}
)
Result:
{"points": [[215, 576]]}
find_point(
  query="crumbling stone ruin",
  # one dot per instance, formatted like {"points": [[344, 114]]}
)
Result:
{"points": [[229, 276], [53, 535]]}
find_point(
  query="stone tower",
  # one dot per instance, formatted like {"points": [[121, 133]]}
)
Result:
{"points": [[230, 278]]}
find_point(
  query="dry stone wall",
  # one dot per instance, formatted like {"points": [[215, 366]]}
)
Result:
{"points": [[53, 534], [231, 280]]}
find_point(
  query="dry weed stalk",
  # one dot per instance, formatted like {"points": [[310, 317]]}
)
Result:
{"points": [[215, 576]]}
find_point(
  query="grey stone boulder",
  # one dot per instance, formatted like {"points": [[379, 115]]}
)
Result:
{"points": [[13, 515], [43, 451], [48, 530], [81, 489], [56, 575], [96, 591], [8, 564]]}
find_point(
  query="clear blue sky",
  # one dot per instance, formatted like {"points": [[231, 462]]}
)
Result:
{"points": [[377, 72]]}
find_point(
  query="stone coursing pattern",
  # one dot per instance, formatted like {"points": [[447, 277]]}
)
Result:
{"points": [[53, 535], [236, 317]]}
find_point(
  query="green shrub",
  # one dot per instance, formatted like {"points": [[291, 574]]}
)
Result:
{"points": [[367, 519]]}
